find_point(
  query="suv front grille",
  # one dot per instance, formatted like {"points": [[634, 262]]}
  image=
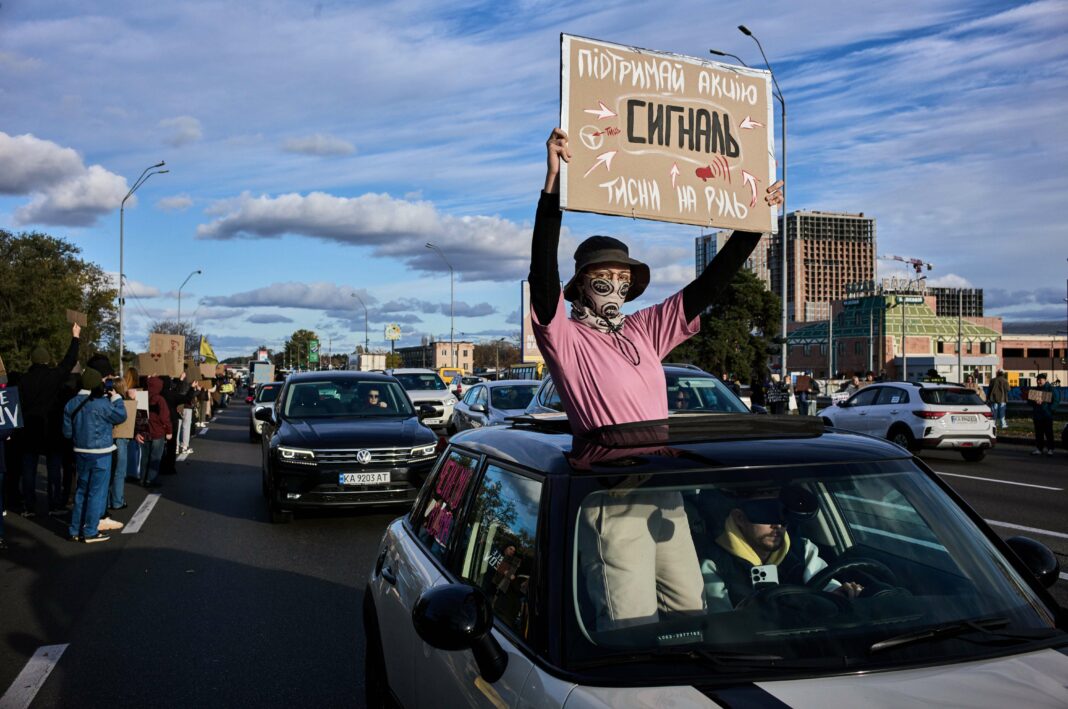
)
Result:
{"points": [[379, 456]]}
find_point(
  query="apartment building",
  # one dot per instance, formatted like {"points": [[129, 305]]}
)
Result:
{"points": [[707, 246]]}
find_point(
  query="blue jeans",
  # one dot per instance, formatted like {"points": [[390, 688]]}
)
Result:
{"points": [[133, 460], [999, 414], [91, 497], [117, 492], [151, 455], [54, 463]]}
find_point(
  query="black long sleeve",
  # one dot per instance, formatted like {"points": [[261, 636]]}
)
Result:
{"points": [[71, 358], [704, 290], [544, 278]]}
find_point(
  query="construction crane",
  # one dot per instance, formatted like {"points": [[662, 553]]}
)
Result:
{"points": [[917, 264]]}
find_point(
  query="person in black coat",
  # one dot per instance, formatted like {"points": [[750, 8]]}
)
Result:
{"points": [[39, 390], [176, 392]]}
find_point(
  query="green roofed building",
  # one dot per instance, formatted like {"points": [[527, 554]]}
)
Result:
{"points": [[867, 336]]}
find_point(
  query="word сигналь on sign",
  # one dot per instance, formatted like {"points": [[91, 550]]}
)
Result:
{"points": [[667, 137]]}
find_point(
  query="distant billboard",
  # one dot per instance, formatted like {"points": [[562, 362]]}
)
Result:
{"points": [[529, 349]]}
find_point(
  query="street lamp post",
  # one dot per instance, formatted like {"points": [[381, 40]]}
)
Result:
{"points": [[122, 218], [194, 273], [452, 303], [785, 219], [366, 338]]}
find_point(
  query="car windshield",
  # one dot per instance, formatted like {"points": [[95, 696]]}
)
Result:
{"points": [[421, 381], [268, 393], [516, 396], [951, 397], [761, 566], [345, 398], [701, 393]]}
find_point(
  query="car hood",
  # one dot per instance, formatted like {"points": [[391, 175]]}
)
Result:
{"points": [[378, 432], [1030, 680], [417, 395]]}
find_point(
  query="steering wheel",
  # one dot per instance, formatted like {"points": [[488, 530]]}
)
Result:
{"points": [[876, 568], [810, 599]]}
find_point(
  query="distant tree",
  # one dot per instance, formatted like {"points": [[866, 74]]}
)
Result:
{"points": [[295, 350], [41, 277], [173, 327], [736, 332], [486, 354]]}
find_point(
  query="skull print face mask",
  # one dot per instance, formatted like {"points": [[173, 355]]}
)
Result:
{"points": [[600, 305]]}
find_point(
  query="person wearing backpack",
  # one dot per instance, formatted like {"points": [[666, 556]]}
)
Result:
{"points": [[88, 420]]}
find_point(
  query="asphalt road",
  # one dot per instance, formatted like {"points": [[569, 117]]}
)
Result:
{"points": [[211, 605]]}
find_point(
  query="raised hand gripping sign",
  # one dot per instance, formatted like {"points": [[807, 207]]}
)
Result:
{"points": [[664, 136]]}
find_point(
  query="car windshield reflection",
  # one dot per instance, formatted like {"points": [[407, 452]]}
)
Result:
{"points": [[800, 563], [345, 398]]}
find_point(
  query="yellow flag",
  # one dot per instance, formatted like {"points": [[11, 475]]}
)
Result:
{"points": [[206, 352]]}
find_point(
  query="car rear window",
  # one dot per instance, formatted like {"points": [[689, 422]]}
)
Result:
{"points": [[513, 397], [420, 382], [951, 397], [269, 393]]}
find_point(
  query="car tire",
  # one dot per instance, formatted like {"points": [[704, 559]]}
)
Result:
{"points": [[274, 509], [376, 691], [903, 437], [973, 455]]}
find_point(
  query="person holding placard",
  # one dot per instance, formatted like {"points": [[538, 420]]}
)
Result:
{"points": [[606, 367], [1044, 400], [39, 389], [88, 420]]}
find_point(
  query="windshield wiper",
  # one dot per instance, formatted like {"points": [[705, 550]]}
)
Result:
{"points": [[983, 626]]}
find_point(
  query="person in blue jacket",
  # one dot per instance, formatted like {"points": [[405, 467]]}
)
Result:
{"points": [[88, 420]]}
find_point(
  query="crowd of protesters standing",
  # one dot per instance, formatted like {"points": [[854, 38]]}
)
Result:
{"points": [[69, 415]]}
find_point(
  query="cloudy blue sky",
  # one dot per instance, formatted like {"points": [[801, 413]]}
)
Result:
{"points": [[314, 148]]}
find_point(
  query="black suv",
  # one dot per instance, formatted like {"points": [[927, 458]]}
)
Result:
{"points": [[343, 439]]}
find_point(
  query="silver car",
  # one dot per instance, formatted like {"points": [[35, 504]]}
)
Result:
{"points": [[491, 403], [263, 398], [538, 569], [424, 386]]}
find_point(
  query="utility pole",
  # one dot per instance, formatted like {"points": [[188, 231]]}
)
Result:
{"points": [[960, 314], [830, 344]]}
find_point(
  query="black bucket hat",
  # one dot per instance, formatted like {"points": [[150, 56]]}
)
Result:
{"points": [[605, 249]]}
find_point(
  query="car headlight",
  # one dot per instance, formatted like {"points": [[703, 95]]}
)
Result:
{"points": [[426, 451], [450, 401], [296, 455]]}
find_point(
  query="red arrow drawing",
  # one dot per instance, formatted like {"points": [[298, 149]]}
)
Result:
{"points": [[748, 123], [674, 173], [603, 159], [603, 112], [748, 179]]}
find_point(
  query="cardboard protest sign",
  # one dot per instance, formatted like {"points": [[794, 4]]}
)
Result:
{"points": [[3, 369], [662, 136], [159, 364], [207, 370], [1039, 396], [73, 316], [160, 342], [10, 410], [126, 428]]}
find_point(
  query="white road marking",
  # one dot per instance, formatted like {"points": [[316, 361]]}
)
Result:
{"points": [[1003, 482], [139, 517], [1034, 530], [25, 687], [1064, 576]]}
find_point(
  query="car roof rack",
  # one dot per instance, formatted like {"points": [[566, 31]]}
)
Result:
{"points": [[555, 422], [683, 365], [698, 428]]}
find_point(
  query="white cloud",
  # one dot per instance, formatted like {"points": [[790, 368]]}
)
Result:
{"points": [[267, 318], [75, 202], [175, 203], [181, 130], [28, 163], [950, 280], [479, 247], [321, 144]]}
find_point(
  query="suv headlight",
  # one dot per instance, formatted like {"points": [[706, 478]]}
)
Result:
{"points": [[296, 455], [427, 451]]}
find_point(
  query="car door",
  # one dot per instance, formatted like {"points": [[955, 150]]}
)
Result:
{"points": [[480, 418], [411, 561], [495, 550], [889, 407], [854, 417]]}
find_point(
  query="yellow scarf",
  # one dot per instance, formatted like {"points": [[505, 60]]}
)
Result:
{"points": [[734, 542]]}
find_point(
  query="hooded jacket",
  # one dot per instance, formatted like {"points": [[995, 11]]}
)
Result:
{"points": [[999, 390], [88, 422], [159, 414], [39, 391]]}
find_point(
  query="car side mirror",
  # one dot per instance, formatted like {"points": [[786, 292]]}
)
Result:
{"points": [[458, 617], [265, 414], [1036, 556], [478, 408], [844, 404], [248, 399], [426, 411]]}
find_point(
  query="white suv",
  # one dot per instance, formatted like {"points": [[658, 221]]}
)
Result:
{"points": [[424, 386], [919, 415]]}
